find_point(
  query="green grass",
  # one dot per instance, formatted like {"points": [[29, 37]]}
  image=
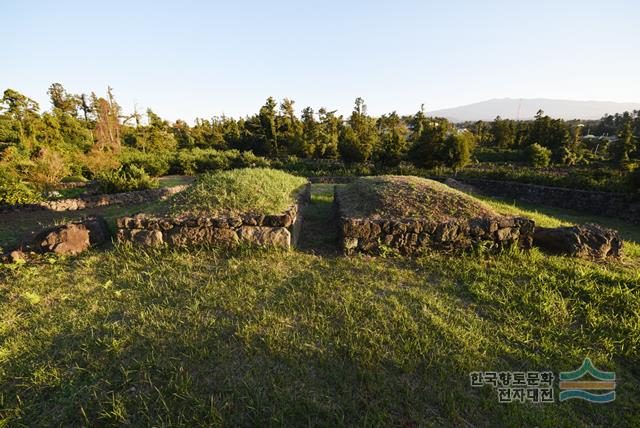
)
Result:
{"points": [[306, 338], [392, 196], [249, 190]]}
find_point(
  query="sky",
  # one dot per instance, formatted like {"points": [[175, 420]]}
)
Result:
{"points": [[187, 59]]}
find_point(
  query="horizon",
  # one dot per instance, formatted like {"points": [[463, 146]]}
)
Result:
{"points": [[204, 60]]}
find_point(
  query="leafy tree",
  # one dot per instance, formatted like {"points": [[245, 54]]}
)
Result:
{"points": [[393, 139], [289, 129], [456, 149], [504, 133], [428, 138], [62, 100], [310, 133], [328, 134], [538, 156], [359, 146]]}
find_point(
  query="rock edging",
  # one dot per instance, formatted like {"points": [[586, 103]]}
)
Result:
{"points": [[408, 236], [95, 201], [280, 230]]}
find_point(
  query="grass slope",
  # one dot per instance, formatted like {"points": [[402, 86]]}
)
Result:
{"points": [[250, 190], [246, 338], [391, 196]]}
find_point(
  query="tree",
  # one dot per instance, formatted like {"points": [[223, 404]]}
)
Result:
{"points": [[359, 146], [310, 133], [328, 134], [427, 140], [504, 133], [103, 156], [538, 156], [268, 135], [393, 139], [623, 147], [18, 106], [62, 100], [289, 129], [456, 149]]}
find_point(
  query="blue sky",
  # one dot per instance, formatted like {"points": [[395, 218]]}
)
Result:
{"points": [[188, 59]]}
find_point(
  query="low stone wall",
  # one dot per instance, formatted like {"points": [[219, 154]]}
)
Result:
{"points": [[280, 230], [408, 236], [95, 201], [617, 205]]}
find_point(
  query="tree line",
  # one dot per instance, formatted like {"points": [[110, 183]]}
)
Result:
{"points": [[84, 135]]}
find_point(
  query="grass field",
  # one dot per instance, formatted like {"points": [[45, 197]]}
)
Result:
{"points": [[307, 337]]}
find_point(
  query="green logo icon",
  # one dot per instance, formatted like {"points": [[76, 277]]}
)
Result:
{"points": [[572, 387]]}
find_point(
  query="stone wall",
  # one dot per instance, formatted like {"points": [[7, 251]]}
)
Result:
{"points": [[408, 236], [617, 205], [280, 230], [95, 201]]}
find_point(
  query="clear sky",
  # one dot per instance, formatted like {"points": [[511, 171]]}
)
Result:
{"points": [[188, 59]]}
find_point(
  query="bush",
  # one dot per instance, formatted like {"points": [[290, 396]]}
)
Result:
{"points": [[14, 191], [496, 155], [47, 169], [193, 161], [125, 180], [538, 156], [457, 149], [248, 160], [154, 164]]}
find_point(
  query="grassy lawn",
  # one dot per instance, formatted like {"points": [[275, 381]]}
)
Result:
{"points": [[305, 337]]}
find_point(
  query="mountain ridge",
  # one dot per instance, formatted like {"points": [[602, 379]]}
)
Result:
{"points": [[526, 108]]}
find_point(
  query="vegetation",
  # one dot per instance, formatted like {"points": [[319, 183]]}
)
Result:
{"points": [[408, 197], [85, 135], [250, 190], [125, 180], [538, 156], [245, 338]]}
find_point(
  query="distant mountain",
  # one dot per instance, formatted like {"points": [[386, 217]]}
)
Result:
{"points": [[523, 108]]}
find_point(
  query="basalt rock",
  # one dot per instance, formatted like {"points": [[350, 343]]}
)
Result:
{"points": [[587, 241]]}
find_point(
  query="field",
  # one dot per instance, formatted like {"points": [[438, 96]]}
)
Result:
{"points": [[306, 337]]}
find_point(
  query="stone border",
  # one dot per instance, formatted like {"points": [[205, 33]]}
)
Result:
{"points": [[281, 230], [616, 205], [408, 236], [95, 201]]}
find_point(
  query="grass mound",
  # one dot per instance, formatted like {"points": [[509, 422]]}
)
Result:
{"points": [[391, 196], [252, 190]]}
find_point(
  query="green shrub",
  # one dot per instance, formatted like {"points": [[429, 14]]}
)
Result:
{"points": [[13, 191], [497, 155], [126, 180], [538, 156], [154, 164], [249, 160]]}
